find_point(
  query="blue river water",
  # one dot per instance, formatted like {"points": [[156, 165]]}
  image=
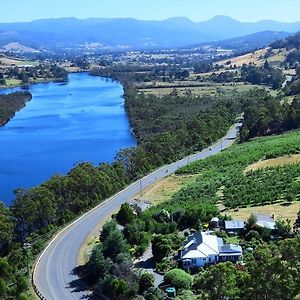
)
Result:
{"points": [[64, 124]]}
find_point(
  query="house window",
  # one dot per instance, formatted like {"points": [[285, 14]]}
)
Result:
{"points": [[193, 261]]}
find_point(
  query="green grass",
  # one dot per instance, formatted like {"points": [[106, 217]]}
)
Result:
{"points": [[26, 62], [12, 82]]}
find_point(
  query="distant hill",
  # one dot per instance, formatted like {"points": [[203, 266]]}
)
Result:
{"points": [[248, 42], [73, 33], [226, 28]]}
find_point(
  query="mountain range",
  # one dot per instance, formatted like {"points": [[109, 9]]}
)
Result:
{"points": [[131, 33]]}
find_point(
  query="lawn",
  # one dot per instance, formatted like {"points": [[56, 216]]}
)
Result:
{"points": [[164, 189], [280, 210]]}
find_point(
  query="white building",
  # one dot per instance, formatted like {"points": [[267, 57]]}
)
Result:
{"points": [[202, 249]]}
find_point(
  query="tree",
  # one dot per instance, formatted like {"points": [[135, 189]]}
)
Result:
{"points": [[251, 222], [154, 294], [283, 227], [161, 247], [219, 281], [267, 65], [6, 226], [3, 289], [107, 229], [114, 244], [125, 215], [272, 272], [2, 79], [252, 235], [179, 279], [98, 266], [185, 295], [146, 281], [297, 222], [115, 288]]}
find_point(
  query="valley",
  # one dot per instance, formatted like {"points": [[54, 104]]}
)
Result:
{"points": [[206, 135]]}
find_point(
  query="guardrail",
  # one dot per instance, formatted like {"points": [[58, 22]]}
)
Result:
{"points": [[36, 290]]}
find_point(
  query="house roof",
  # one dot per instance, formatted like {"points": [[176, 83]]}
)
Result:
{"points": [[193, 254], [201, 245], [265, 221], [265, 224], [231, 249], [235, 224]]}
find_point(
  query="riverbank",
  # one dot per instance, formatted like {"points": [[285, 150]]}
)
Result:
{"points": [[15, 83]]}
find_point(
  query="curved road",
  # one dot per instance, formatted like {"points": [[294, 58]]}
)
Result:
{"points": [[53, 274]]}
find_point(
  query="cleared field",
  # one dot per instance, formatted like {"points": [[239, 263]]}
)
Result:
{"points": [[164, 189], [257, 57], [203, 90], [9, 62], [274, 162], [280, 210], [161, 84]]}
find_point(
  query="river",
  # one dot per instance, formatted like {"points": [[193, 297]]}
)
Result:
{"points": [[64, 123]]}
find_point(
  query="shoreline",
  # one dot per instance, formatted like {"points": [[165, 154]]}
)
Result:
{"points": [[25, 85]]}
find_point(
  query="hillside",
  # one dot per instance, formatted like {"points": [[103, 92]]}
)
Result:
{"points": [[53, 34]]}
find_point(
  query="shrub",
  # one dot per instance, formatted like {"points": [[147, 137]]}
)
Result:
{"points": [[179, 279]]}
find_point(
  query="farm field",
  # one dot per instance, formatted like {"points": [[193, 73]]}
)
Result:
{"points": [[221, 180], [10, 62]]}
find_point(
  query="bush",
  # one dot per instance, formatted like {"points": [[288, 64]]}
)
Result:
{"points": [[126, 214], [146, 282], [185, 295], [179, 279], [154, 294]]}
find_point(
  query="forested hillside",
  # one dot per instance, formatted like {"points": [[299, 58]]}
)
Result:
{"points": [[11, 103]]}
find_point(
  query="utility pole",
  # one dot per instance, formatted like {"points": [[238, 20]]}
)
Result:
{"points": [[141, 189]]}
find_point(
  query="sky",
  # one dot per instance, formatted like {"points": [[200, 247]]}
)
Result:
{"points": [[196, 10]]}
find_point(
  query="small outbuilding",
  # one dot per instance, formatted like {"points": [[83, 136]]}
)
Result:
{"points": [[265, 221], [234, 226]]}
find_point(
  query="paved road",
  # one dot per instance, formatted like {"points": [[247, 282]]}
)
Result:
{"points": [[53, 274]]}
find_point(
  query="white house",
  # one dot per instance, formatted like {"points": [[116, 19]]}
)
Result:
{"points": [[202, 249]]}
